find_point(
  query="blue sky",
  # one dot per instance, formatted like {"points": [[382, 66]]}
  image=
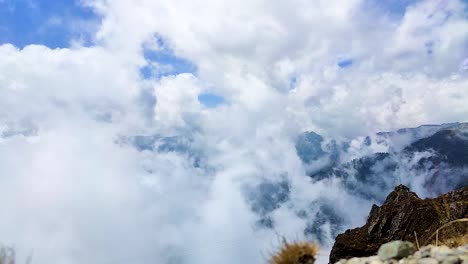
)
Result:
{"points": [[345, 63], [48, 22], [167, 63], [392, 6]]}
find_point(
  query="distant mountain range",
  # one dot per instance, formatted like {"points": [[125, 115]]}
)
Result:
{"points": [[430, 160], [437, 155]]}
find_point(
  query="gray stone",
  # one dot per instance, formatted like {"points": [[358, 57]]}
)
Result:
{"points": [[426, 255], [443, 252], [354, 261], [396, 250], [427, 261], [459, 251], [451, 260], [373, 260], [424, 252], [408, 260], [463, 248]]}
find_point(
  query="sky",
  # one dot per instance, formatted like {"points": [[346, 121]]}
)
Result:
{"points": [[130, 131]]}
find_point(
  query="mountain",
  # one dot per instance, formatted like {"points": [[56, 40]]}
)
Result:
{"points": [[432, 157]]}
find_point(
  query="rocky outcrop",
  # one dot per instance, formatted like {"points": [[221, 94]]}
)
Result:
{"points": [[426, 255], [401, 216]]}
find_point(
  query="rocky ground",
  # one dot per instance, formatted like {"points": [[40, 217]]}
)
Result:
{"points": [[405, 252], [403, 216]]}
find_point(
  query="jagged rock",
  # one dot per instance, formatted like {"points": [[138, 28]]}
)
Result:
{"points": [[402, 214], [396, 250]]}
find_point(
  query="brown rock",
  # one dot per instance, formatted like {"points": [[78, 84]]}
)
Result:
{"points": [[402, 214]]}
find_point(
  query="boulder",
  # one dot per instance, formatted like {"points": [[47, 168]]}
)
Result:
{"points": [[396, 250]]}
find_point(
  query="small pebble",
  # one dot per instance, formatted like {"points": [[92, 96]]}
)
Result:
{"points": [[451, 260], [354, 261], [372, 260], [463, 248], [426, 255], [396, 250], [427, 261], [435, 250], [442, 253], [424, 252]]}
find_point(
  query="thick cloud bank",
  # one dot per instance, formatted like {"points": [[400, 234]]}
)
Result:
{"points": [[108, 154]]}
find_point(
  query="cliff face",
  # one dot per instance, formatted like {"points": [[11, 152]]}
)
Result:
{"points": [[402, 214]]}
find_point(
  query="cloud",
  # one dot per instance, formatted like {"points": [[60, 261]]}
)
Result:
{"points": [[104, 164]]}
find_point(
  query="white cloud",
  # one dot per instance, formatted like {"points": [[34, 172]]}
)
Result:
{"points": [[177, 101], [79, 197]]}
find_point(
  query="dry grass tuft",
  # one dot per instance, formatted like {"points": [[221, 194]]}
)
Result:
{"points": [[454, 235], [455, 241], [296, 253]]}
